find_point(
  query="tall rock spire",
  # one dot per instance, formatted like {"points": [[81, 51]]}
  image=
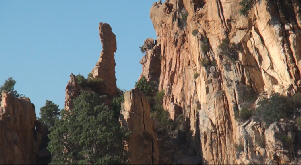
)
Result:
{"points": [[105, 66]]}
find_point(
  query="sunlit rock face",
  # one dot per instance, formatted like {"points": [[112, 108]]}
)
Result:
{"points": [[20, 138], [105, 66], [202, 83], [135, 116]]}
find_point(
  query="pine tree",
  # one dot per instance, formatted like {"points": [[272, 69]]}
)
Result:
{"points": [[49, 113], [89, 134]]}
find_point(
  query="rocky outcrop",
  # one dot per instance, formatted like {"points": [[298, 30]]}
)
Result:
{"points": [[151, 61], [19, 141], [105, 67], [135, 116], [72, 91], [204, 82]]}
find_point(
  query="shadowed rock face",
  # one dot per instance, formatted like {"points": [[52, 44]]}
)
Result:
{"points": [[135, 116], [19, 140], [105, 67], [268, 61]]}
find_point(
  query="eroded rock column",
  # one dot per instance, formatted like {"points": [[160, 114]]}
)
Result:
{"points": [[105, 66]]}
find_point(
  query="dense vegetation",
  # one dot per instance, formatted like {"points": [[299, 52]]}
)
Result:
{"points": [[277, 107], [272, 109], [145, 86], [89, 134], [96, 84], [49, 113]]}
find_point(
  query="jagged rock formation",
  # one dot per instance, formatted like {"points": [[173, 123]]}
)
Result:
{"points": [[151, 62], [202, 82], [135, 116], [105, 67], [72, 91], [19, 140]]}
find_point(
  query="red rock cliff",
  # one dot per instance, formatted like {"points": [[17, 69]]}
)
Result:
{"points": [[19, 140], [205, 85]]}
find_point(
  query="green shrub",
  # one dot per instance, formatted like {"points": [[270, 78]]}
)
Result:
{"points": [[159, 115], [260, 141], [196, 75], [205, 62], [159, 97], [90, 75], [287, 139], [9, 86], [246, 5], [239, 147], [246, 93], [116, 105], [245, 114], [296, 99], [81, 80], [195, 32], [142, 49], [272, 109], [95, 84], [184, 15], [229, 49], [213, 62], [205, 48], [144, 86]]}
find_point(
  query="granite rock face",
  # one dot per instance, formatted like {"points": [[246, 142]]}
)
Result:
{"points": [[105, 66], [205, 82], [19, 140], [135, 116]]}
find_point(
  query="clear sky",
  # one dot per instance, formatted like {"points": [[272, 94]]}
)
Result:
{"points": [[43, 42]]}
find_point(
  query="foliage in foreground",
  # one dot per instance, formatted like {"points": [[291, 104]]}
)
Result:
{"points": [[89, 134]]}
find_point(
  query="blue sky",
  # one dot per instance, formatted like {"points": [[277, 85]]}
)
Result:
{"points": [[43, 42]]}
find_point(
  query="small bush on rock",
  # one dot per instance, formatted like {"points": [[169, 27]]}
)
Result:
{"points": [[196, 75], [228, 49], [246, 6], [144, 86], [195, 32], [272, 109]]}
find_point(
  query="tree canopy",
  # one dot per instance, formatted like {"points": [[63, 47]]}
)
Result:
{"points": [[88, 134], [49, 113], [9, 86]]}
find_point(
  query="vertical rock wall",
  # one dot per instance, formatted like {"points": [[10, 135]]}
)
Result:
{"points": [[19, 141], [135, 116], [208, 93]]}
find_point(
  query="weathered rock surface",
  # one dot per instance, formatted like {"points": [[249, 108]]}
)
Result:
{"points": [[135, 116], [19, 141], [269, 61], [105, 67], [151, 62], [72, 91]]}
